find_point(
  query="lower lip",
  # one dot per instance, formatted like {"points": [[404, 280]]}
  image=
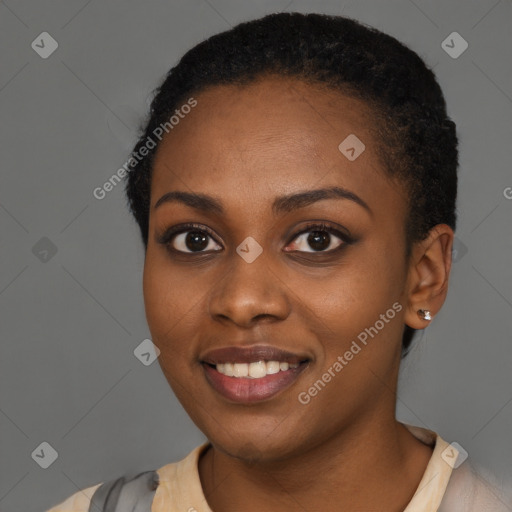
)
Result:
{"points": [[247, 390]]}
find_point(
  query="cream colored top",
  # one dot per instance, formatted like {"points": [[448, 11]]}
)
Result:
{"points": [[445, 486]]}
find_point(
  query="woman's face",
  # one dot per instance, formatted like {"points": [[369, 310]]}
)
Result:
{"points": [[253, 281]]}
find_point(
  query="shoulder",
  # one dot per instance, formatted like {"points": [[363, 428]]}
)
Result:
{"points": [[151, 490], [473, 488], [78, 502], [123, 493]]}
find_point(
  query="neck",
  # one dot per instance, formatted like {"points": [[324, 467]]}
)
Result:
{"points": [[373, 465]]}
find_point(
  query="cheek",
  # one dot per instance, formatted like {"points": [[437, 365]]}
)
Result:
{"points": [[171, 304], [361, 301], [359, 348]]}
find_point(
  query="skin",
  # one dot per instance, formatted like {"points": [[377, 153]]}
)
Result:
{"points": [[246, 145]]}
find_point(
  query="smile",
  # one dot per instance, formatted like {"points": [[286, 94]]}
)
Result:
{"points": [[252, 374], [255, 370]]}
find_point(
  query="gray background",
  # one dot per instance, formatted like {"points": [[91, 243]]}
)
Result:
{"points": [[70, 321]]}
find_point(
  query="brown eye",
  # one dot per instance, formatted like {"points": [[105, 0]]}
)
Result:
{"points": [[317, 241], [189, 239], [319, 238]]}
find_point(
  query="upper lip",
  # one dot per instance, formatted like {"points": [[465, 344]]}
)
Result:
{"points": [[250, 354]]}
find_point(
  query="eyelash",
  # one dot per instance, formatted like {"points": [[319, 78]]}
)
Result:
{"points": [[167, 237]]}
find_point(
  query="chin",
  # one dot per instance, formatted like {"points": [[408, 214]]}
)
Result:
{"points": [[253, 446]]}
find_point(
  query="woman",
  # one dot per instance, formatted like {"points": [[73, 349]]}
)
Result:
{"points": [[295, 187]]}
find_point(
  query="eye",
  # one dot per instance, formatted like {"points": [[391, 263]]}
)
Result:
{"points": [[189, 238], [319, 238], [196, 239]]}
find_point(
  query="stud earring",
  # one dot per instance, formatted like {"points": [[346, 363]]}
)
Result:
{"points": [[425, 314]]}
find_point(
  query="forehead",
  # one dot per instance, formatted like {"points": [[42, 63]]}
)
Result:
{"points": [[271, 137]]}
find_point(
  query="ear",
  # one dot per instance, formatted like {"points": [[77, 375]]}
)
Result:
{"points": [[428, 275]]}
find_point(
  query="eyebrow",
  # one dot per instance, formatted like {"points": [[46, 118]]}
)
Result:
{"points": [[281, 204]]}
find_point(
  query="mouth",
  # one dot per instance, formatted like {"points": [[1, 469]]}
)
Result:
{"points": [[252, 374]]}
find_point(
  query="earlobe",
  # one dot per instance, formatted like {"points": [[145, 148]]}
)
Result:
{"points": [[429, 274]]}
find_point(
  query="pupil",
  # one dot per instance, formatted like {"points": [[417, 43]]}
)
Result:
{"points": [[196, 241], [317, 240]]}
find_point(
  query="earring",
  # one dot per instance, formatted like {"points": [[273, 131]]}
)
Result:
{"points": [[425, 314]]}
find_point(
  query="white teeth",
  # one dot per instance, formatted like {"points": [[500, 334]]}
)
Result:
{"points": [[272, 367], [258, 370], [239, 369], [255, 370], [228, 369]]}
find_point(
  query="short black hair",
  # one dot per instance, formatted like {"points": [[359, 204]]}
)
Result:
{"points": [[417, 140]]}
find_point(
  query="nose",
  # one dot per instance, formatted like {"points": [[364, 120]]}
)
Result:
{"points": [[249, 293]]}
